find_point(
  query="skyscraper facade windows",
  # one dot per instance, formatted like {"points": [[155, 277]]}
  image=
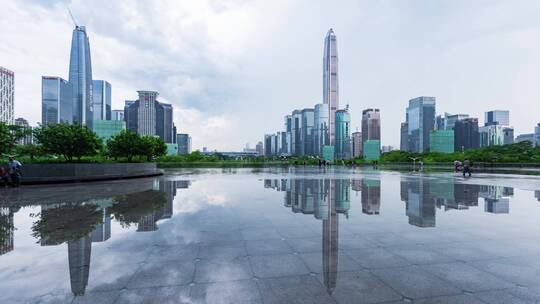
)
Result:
{"points": [[420, 122], [56, 101], [7, 96], [101, 99], [330, 81], [80, 76]]}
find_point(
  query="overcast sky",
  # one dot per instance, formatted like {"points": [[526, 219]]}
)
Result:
{"points": [[233, 68]]}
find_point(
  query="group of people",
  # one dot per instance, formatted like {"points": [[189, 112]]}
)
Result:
{"points": [[11, 176], [465, 167]]}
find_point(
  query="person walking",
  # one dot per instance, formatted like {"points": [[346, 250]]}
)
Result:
{"points": [[15, 170], [466, 168]]}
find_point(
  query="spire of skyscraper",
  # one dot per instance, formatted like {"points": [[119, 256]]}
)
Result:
{"points": [[80, 76], [330, 81]]}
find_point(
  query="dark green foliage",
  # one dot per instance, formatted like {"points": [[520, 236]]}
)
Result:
{"points": [[522, 152], [152, 147], [126, 144], [9, 135], [130, 208], [129, 144], [30, 150], [66, 222], [68, 141]]}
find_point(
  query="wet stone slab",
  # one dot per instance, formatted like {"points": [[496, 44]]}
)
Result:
{"points": [[274, 235]]}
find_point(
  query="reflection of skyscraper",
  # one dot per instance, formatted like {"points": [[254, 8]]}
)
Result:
{"points": [[79, 251], [102, 232], [371, 196], [325, 199], [496, 198], [420, 206], [537, 195], [6, 229]]}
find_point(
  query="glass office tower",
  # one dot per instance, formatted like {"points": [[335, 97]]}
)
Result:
{"points": [[56, 101], [80, 76], [7, 96], [330, 81], [466, 135], [306, 135], [497, 117], [184, 143], [441, 141], [343, 134], [101, 100], [420, 120], [321, 123]]}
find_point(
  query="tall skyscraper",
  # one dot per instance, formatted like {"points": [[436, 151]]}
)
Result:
{"points": [[288, 135], [296, 143], [321, 126], [343, 134], [497, 117], [80, 76], [56, 101], [330, 81], [357, 149], [404, 138], [306, 136], [420, 120], [466, 135], [147, 116], [508, 135], [101, 99], [7, 96], [371, 125], [184, 143]]}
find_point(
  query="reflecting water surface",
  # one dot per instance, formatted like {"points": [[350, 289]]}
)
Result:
{"points": [[296, 235]]}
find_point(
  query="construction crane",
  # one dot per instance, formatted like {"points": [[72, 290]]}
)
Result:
{"points": [[72, 18]]}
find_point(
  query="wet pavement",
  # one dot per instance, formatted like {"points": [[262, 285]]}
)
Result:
{"points": [[297, 235]]}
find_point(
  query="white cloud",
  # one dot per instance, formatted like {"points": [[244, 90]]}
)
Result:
{"points": [[233, 68]]}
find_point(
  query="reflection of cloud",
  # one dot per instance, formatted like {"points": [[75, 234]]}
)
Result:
{"points": [[198, 201]]}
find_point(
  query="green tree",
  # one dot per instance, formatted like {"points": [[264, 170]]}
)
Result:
{"points": [[151, 147], [69, 141], [9, 135], [30, 150], [126, 144]]}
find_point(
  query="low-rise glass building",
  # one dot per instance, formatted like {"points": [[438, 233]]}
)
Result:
{"points": [[441, 141], [106, 129], [372, 149]]}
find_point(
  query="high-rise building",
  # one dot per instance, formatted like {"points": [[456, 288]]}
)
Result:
{"points": [[287, 145], [466, 135], [56, 101], [508, 135], [420, 120], [330, 81], [184, 143], [491, 135], [260, 148], [371, 196], [526, 137], [321, 125], [441, 141], [371, 124], [343, 134], [101, 100], [23, 123], [497, 117], [306, 136], [80, 76], [117, 115], [357, 145], [147, 116], [268, 145], [296, 142], [448, 121], [404, 138], [7, 96], [536, 141]]}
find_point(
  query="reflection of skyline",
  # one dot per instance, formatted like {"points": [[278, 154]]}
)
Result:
{"points": [[423, 196], [325, 199], [7, 229], [98, 229]]}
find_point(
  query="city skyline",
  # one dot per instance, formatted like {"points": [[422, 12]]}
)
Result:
{"points": [[468, 66]]}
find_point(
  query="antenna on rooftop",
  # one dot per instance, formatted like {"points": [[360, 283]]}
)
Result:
{"points": [[72, 18]]}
